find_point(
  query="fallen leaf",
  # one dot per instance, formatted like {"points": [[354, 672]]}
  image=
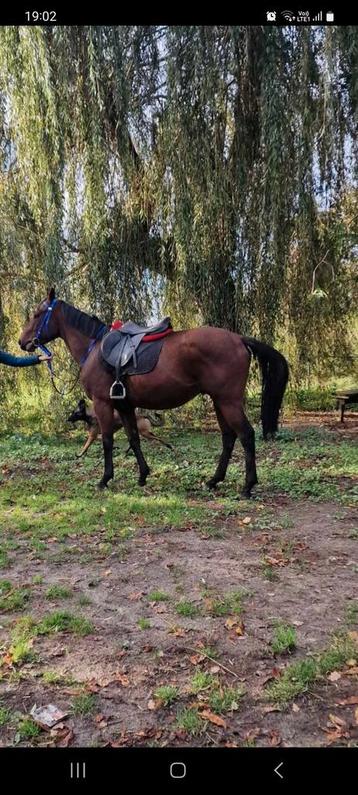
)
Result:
{"points": [[107, 572], [240, 630], [351, 663], [247, 520], [93, 687], [231, 622], [353, 635], [152, 704], [275, 738], [179, 632], [334, 676], [135, 596], [338, 722], [64, 737], [252, 734], [210, 716], [122, 678], [214, 669], [332, 737], [351, 671], [196, 658], [295, 708], [346, 701]]}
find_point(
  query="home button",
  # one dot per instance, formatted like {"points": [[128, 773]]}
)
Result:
{"points": [[177, 770]]}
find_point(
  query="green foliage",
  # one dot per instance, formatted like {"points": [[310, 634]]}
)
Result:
{"points": [[207, 171], [64, 622], [300, 675], [284, 639], [166, 694]]}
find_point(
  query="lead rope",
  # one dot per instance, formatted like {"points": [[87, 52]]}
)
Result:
{"points": [[47, 352]]}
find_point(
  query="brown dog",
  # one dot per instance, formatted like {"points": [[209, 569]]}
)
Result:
{"points": [[144, 424]]}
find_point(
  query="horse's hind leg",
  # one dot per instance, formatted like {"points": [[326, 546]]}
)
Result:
{"points": [[228, 442], [130, 426], [236, 419]]}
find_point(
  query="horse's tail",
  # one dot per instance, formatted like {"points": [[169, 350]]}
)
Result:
{"points": [[274, 371]]}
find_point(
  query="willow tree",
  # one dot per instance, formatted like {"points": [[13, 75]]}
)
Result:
{"points": [[213, 165]]}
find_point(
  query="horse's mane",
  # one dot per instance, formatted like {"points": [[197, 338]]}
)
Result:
{"points": [[89, 325]]}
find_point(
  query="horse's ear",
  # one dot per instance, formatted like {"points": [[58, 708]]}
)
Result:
{"points": [[82, 403], [51, 294]]}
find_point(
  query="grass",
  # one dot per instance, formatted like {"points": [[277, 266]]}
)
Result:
{"points": [[143, 623], [4, 559], [64, 622], [166, 694], [352, 613], [225, 699], [189, 720], [5, 715], [209, 651], [228, 604], [284, 639], [202, 681], [58, 592], [83, 704], [158, 596], [187, 609], [27, 729], [12, 599], [269, 572], [297, 677]]}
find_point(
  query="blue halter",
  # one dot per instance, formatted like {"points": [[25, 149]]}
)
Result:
{"points": [[42, 327]]}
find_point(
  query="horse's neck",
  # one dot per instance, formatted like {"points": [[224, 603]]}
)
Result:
{"points": [[77, 343]]}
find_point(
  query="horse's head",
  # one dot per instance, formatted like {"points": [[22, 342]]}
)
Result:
{"points": [[43, 326]]}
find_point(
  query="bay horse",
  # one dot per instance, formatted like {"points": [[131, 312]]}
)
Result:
{"points": [[205, 360]]}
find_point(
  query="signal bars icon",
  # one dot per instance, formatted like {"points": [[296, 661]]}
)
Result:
{"points": [[318, 17]]}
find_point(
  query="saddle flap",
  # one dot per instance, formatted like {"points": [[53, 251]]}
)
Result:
{"points": [[112, 347]]}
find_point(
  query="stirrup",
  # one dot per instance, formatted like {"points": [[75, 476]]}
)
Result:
{"points": [[117, 391]]}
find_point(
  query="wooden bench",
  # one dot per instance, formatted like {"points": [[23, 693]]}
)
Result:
{"points": [[344, 397]]}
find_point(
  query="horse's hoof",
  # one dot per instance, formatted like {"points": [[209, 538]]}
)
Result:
{"points": [[212, 483], [101, 485], [142, 481]]}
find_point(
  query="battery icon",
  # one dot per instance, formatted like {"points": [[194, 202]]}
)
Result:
{"points": [[330, 16]]}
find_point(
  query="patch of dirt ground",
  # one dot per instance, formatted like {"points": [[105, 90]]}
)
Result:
{"points": [[297, 566]]}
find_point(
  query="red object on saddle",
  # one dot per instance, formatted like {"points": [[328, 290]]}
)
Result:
{"points": [[152, 337], [117, 324]]}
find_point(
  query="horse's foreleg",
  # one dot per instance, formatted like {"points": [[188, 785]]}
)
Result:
{"points": [[104, 414], [130, 426], [228, 441]]}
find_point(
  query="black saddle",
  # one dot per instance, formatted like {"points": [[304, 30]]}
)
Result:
{"points": [[119, 347]]}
